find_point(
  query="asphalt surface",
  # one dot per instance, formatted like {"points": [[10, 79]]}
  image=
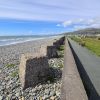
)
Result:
{"points": [[89, 67]]}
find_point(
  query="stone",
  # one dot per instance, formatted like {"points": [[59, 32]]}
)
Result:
{"points": [[52, 98], [1, 97], [33, 69], [52, 93], [40, 98], [14, 97], [45, 97], [22, 98], [47, 92], [17, 94], [40, 86], [57, 93]]}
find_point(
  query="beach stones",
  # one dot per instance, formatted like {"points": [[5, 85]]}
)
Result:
{"points": [[33, 69]]}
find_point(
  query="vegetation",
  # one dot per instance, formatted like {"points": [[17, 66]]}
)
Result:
{"points": [[91, 43], [14, 74], [61, 51], [90, 31], [10, 65], [60, 65], [61, 48]]}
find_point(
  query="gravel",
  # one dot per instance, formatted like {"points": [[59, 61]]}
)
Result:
{"points": [[10, 86]]}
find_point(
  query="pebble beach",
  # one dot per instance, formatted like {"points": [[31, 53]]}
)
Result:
{"points": [[10, 86]]}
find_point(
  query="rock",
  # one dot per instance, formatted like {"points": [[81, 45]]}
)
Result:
{"points": [[14, 97], [57, 93], [1, 88], [3, 83], [45, 97], [10, 95], [1, 97], [17, 94], [52, 93], [40, 98], [40, 86], [52, 98], [47, 92], [22, 98]]}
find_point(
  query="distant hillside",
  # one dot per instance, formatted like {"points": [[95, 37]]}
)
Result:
{"points": [[89, 31]]}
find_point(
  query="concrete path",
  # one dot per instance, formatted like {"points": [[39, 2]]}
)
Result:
{"points": [[89, 68], [72, 86]]}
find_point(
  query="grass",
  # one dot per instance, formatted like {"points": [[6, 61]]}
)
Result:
{"points": [[10, 65], [61, 48], [60, 65], [14, 74], [92, 44], [61, 51]]}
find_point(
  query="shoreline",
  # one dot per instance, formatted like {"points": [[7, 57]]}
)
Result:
{"points": [[29, 40], [9, 78], [11, 53]]}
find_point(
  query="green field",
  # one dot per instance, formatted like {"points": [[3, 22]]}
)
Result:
{"points": [[92, 44]]}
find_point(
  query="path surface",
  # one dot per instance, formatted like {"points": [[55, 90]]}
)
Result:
{"points": [[72, 86], [91, 64]]}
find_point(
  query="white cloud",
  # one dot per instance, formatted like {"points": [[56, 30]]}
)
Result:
{"points": [[51, 10], [67, 23], [81, 23], [71, 22]]}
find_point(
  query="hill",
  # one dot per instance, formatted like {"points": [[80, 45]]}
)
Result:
{"points": [[88, 31]]}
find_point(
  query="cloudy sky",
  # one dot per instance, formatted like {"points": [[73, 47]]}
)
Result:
{"points": [[27, 17]]}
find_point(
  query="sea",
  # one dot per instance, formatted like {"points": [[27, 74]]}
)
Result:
{"points": [[8, 40]]}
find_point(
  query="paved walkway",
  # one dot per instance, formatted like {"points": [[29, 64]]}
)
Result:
{"points": [[72, 86], [91, 66]]}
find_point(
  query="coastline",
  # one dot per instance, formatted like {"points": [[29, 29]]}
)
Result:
{"points": [[10, 85], [11, 53], [24, 40]]}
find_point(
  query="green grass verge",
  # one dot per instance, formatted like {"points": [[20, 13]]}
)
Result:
{"points": [[92, 44]]}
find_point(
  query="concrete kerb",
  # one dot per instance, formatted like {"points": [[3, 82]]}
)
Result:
{"points": [[72, 86]]}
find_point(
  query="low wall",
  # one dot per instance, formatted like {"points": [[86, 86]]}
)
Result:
{"points": [[72, 86]]}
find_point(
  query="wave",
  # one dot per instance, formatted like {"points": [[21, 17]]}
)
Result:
{"points": [[4, 42], [20, 39]]}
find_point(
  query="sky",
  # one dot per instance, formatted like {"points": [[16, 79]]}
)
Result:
{"points": [[43, 17]]}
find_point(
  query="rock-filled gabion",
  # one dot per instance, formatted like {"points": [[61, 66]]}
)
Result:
{"points": [[33, 69]]}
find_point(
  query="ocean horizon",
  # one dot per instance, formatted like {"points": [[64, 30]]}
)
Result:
{"points": [[8, 40]]}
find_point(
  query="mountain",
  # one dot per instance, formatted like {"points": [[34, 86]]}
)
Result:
{"points": [[88, 31]]}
